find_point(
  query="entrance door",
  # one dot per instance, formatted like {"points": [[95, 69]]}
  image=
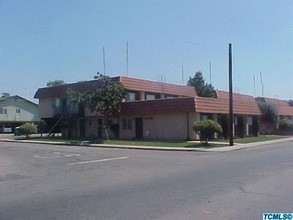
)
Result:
{"points": [[138, 128], [82, 128], [100, 129]]}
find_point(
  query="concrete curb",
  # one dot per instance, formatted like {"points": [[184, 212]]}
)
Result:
{"points": [[202, 149]]}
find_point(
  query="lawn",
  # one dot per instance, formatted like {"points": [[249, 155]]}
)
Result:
{"points": [[258, 139], [183, 144], [186, 144]]}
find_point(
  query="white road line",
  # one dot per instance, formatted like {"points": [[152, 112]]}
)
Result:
{"points": [[97, 161]]}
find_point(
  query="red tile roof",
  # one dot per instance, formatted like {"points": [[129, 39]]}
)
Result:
{"points": [[129, 83], [157, 87], [236, 96], [245, 106], [189, 104], [158, 106], [284, 109]]}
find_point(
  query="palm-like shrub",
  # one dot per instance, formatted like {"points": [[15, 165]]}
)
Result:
{"points": [[27, 129]]}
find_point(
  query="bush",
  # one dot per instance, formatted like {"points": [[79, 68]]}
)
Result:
{"points": [[286, 125], [27, 129], [206, 129]]}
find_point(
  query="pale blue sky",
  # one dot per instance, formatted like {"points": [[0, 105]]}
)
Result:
{"points": [[45, 40]]}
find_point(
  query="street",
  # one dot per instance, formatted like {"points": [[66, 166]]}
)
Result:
{"points": [[39, 181]]}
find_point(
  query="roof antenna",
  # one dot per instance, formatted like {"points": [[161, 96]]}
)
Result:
{"points": [[254, 85], [104, 60], [262, 86], [127, 58], [210, 66], [182, 72]]}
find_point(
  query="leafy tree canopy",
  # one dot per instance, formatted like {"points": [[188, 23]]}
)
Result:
{"points": [[290, 102], [203, 89], [269, 112], [106, 99], [55, 83]]}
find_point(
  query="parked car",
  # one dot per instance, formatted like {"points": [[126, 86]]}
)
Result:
{"points": [[6, 129]]}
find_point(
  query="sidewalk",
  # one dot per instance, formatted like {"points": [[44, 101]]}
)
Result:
{"points": [[199, 149]]}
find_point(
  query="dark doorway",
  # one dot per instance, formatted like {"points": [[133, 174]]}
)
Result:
{"points": [[82, 128], [138, 128], [100, 128]]}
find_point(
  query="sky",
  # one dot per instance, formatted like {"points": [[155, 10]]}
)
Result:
{"points": [[168, 40]]}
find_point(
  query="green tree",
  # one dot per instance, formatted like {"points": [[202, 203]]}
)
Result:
{"points": [[203, 89], [55, 83], [269, 112], [206, 129], [27, 129], [105, 100]]}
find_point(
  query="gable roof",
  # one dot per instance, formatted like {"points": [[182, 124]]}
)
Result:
{"points": [[15, 97], [284, 109]]}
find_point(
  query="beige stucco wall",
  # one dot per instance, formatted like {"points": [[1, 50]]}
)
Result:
{"points": [[127, 133], [45, 108], [163, 126]]}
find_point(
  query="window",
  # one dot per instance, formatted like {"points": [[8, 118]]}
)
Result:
{"points": [[17, 110], [130, 96], [56, 103], [3, 110], [204, 117], [126, 124], [150, 97]]}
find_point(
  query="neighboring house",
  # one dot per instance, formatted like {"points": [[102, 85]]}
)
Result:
{"points": [[15, 110], [151, 110]]}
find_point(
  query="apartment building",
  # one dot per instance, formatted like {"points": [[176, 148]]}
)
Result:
{"points": [[151, 110]]}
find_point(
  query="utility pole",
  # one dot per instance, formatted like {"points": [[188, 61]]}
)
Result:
{"points": [[230, 97]]}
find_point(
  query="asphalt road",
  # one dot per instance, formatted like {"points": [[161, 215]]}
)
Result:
{"points": [[66, 182]]}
